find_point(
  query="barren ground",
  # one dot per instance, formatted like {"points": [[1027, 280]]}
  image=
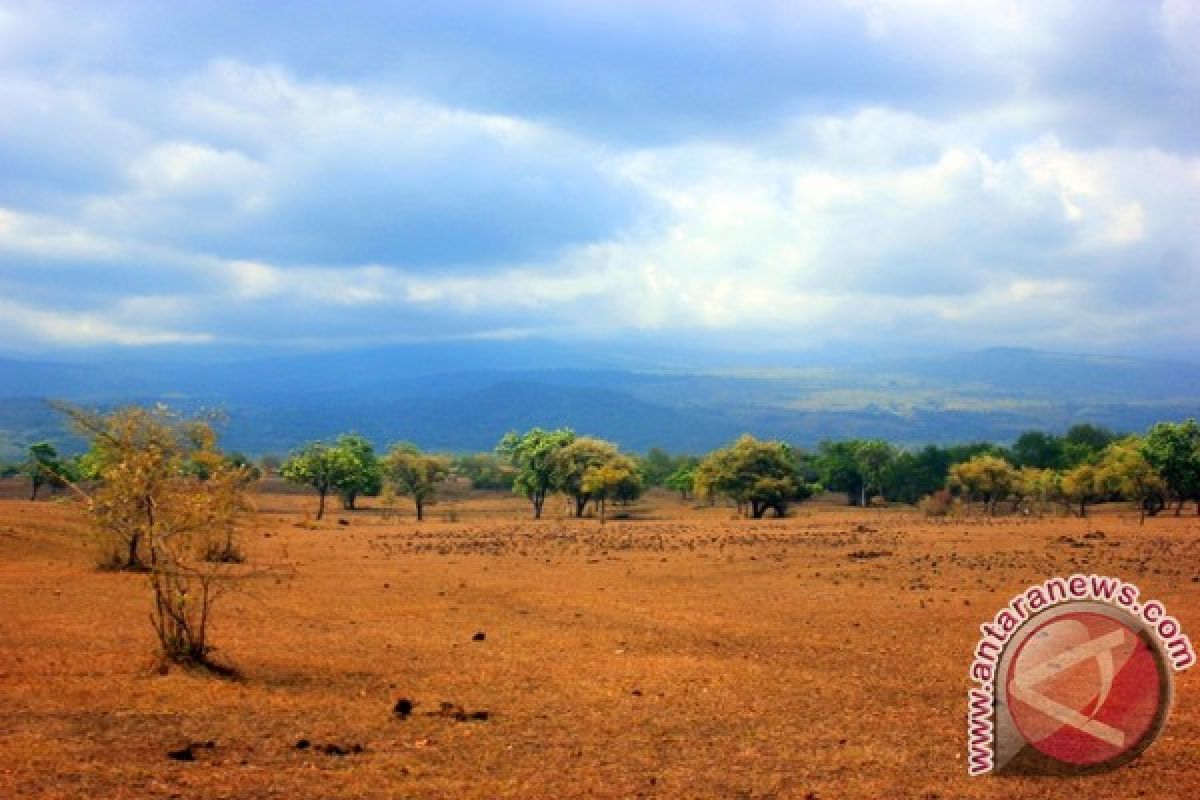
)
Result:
{"points": [[678, 653]]}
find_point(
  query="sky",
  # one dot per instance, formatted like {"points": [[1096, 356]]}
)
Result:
{"points": [[913, 176]]}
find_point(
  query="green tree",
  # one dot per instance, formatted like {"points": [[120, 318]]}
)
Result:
{"points": [[348, 467], [682, 480], [838, 468], [1039, 450], [1173, 449], [43, 467], [1083, 444], [359, 473], [657, 465], [917, 475], [415, 474], [873, 458], [759, 476], [533, 453], [485, 470]]}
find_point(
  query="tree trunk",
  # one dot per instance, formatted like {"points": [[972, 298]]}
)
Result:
{"points": [[1082, 508], [132, 561], [321, 503], [36, 485], [862, 495], [1179, 506], [537, 498], [420, 510], [581, 501]]}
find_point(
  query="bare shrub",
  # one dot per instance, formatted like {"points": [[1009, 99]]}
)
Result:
{"points": [[166, 503], [939, 504]]}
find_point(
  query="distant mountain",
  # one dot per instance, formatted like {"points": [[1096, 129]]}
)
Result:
{"points": [[465, 395]]}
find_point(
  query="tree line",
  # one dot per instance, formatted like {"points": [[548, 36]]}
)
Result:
{"points": [[1087, 464]]}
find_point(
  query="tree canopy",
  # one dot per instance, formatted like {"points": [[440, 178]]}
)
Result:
{"points": [[1173, 450], [415, 474], [759, 476], [348, 467], [534, 454]]}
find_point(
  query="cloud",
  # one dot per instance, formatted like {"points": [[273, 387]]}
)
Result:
{"points": [[19, 323], [914, 173]]}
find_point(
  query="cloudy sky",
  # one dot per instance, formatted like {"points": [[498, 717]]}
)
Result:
{"points": [[912, 174]]}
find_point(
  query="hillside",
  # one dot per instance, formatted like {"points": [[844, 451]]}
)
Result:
{"points": [[464, 396]]}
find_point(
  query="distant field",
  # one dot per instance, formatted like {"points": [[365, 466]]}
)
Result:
{"points": [[678, 653]]}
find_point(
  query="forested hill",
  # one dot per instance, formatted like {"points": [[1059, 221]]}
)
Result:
{"points": [[464, 396]]}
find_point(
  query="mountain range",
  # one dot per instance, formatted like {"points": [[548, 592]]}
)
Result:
{"points": [[464, 395]]}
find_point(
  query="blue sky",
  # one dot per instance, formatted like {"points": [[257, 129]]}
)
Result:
{"points": [[915, 175]]}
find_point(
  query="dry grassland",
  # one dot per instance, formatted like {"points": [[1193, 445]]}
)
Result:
{"points": [[677, 653]]}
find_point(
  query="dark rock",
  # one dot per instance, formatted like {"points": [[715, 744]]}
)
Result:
{"points": [[471, 716], [303, 744], [182, 754], [403, 708], [479, 637]]}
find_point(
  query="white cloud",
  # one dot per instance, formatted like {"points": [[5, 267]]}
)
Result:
{"points": [[21, 325]]}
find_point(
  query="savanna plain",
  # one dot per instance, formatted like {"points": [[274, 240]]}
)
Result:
{"points": [[674, 651]]}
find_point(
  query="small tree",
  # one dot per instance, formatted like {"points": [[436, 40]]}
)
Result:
{"points": [[656, 466], [415, 474], [874, 458], [571, 462], [1173, 450], [839, 470], [1081, 486], [616, 478], [986, 477], [485, 470], [534, 455], [1039, 486], [682, 480], [359, 473], [154, 501], [1125, 470], [759, 476], [316, 465], [348, 467], [43, 468]]}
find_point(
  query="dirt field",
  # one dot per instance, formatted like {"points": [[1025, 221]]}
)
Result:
{"points": [[679, 653]]}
